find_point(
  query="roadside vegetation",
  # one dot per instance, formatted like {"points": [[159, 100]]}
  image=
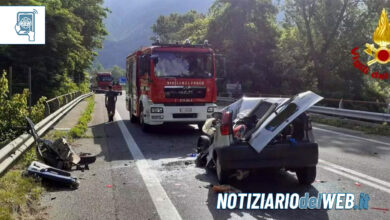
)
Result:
{"points": [[74, 32], [79, 130], [286, 47], [20, 195], [13, 111]]}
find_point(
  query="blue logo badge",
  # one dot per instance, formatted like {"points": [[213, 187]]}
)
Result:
{"points": [[25, 24]]}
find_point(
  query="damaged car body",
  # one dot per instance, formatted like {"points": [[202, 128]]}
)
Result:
{"points": [[257, 133]]}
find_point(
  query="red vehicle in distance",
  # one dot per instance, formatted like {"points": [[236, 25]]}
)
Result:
{"points": [[105, 79]]}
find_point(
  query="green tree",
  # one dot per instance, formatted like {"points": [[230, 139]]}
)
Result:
{"points": [[246, 33], [117, 72], [74, 30], [167, 28], [318, 38]]}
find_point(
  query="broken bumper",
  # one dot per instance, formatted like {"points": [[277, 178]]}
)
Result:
{"points": [[243, 156]]}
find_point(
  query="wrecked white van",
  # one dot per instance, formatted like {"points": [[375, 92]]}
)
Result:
{"points": [[254, 133]]}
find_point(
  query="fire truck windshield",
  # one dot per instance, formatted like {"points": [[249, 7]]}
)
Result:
{"points": [[183, 65], [104, 78]]}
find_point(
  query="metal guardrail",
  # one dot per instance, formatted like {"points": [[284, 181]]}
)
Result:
{"points": [[54, 104], [14, 149], [362, 115], [371, 116]]}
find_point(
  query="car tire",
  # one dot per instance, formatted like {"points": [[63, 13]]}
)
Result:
{"points": [[306, 175], [222, 174], [145, 127], [201, 161], [133, 119]]}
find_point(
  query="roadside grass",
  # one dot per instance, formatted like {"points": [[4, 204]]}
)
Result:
{"points": [[368, 128], [81, 127], [20, 195]]}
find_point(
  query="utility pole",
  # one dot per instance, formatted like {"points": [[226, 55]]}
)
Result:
{"points": [[10, 81], [30, 90]]}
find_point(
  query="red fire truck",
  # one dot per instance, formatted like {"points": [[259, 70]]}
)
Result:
{"points": [[171, 83], [105, 79]]}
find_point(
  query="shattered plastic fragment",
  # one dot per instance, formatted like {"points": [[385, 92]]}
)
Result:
{"points": [[192, 155], [358, 184], [109, 186], [381, 209]]}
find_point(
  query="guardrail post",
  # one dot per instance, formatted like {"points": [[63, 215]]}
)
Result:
{"points": [[341, 104], [58, 103], [47, 109]]}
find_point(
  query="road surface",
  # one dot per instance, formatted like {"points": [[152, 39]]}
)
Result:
{"points": [[150, 175]]}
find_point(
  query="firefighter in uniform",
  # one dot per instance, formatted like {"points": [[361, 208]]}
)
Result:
{"points": [[110, 100]]}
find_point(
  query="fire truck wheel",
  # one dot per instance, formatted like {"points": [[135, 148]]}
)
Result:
{"points": [[133, 119], [145, 127]]}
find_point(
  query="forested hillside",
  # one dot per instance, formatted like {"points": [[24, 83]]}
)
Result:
{"points": [[308, 47], [130, 21]]}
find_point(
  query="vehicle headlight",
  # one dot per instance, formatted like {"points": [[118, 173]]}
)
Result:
{"points": [[211, 109], [157, 110]]}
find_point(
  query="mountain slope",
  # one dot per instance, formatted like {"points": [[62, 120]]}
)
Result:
{"points": [[130, 23]]}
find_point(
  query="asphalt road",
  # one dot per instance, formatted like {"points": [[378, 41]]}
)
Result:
{"points": [[150, 175]]}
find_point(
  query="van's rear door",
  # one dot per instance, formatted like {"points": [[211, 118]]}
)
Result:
{"points": [[284, 114]]}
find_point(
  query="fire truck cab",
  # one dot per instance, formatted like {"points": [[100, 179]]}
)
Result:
{"points": [[171, 83]]}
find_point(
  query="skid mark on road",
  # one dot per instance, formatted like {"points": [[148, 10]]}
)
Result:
{"points": [[165, 208], [356, 176]]}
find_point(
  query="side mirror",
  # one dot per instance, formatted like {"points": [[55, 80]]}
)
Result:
{"points": [[154, 59], [220, 65]]}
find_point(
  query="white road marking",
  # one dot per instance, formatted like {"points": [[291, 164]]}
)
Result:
{"points": [[353, 136], [165, 208], [353, 172], [360, 180]]}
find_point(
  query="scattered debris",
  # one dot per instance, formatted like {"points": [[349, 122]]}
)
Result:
{"points": [[208, 186], [53, 198], [322, 181], [240, 174], [225, 189], [358, 184], [37, 169], [177, 164], [109, 186], [192, 155], [59, 153], [381, 209]]}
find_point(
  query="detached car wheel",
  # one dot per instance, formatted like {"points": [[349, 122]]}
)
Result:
{"points": [[306, 175], [222, 174]]}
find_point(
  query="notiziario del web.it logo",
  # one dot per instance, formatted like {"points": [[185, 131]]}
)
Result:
{"points": [[22, 24], [379, 53]]}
